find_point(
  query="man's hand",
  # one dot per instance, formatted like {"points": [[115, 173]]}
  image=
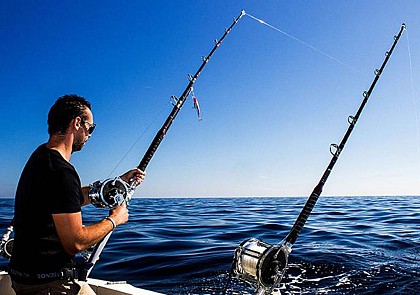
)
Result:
{"points": [[120, 214], [135, 176]]}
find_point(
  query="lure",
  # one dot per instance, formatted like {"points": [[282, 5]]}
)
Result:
{"points": [[197, 107]]}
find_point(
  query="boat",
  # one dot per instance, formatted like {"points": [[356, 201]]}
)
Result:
{"points": [[100, 287]]}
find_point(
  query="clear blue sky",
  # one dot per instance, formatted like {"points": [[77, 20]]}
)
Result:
{"points": [[271, 106]]}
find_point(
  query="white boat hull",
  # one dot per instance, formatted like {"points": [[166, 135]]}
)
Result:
{"points": [[100, 287]]}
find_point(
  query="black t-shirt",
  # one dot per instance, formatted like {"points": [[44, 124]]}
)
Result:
{"points": [[48, 185]]}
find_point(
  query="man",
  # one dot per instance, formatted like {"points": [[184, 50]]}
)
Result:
{"points": [[48, 225]]}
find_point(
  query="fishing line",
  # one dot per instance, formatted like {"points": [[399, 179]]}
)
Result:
{"points": [[197, 107], [304, 43], [138, 139], [413, 92]]}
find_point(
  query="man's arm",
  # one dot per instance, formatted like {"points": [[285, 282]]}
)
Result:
{"points": [[75, 237]]}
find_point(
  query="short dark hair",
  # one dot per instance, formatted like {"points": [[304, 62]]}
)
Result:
{"points": [[65, 109]]}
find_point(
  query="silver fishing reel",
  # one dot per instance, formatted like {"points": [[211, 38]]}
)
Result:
{"points": [[6, 244], [110, 193], [261, 264]]}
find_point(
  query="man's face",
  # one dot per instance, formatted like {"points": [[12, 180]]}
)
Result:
{"points": [[83, 134]]}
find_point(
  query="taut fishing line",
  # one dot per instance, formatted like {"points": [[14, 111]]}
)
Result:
{"points": [[138, 139], [413, 93], [192, 90], [276, 29], [304, 43]]}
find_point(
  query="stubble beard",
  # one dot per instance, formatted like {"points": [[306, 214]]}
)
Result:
{"points": [[78, 144]]}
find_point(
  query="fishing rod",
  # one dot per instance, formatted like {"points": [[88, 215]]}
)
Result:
{"points": [[180, 101], [113, 192], [264, 265]]}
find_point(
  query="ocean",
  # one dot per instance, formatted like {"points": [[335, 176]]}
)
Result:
{"points": [[349, 245]]}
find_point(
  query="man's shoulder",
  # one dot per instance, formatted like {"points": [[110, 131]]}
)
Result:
{"points": [[49, 163]]}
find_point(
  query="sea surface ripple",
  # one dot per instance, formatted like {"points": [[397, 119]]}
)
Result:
{"points": [[349, 245]]}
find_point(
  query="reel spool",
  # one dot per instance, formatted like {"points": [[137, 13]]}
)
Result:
{"points": [[110, 193], [260, 263]]}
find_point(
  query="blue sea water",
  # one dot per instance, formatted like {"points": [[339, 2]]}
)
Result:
{"points": [[349, 245]]}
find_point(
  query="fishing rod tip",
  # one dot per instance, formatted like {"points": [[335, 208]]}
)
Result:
{"points": [[243, 12], [403, 26]]}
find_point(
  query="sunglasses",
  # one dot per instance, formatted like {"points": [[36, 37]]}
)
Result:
{"points": [[90, 125]]}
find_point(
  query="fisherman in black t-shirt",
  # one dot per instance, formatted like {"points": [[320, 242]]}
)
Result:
{"points": [[48, 224]]}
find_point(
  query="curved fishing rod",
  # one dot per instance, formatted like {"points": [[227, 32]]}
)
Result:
{"points": [[264, 265], [113, 192], [179, 102]]}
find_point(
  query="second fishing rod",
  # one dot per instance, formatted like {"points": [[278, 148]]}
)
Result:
{"points": [[264, 265]]}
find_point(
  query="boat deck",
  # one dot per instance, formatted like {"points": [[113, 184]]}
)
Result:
{"points": [[100, 287]]}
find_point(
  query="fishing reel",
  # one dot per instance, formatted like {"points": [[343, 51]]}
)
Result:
{"points": [[110, 193], [261, 264], [6, 244]]}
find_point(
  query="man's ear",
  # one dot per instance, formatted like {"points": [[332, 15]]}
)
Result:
{"points": [[76, 123]]}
